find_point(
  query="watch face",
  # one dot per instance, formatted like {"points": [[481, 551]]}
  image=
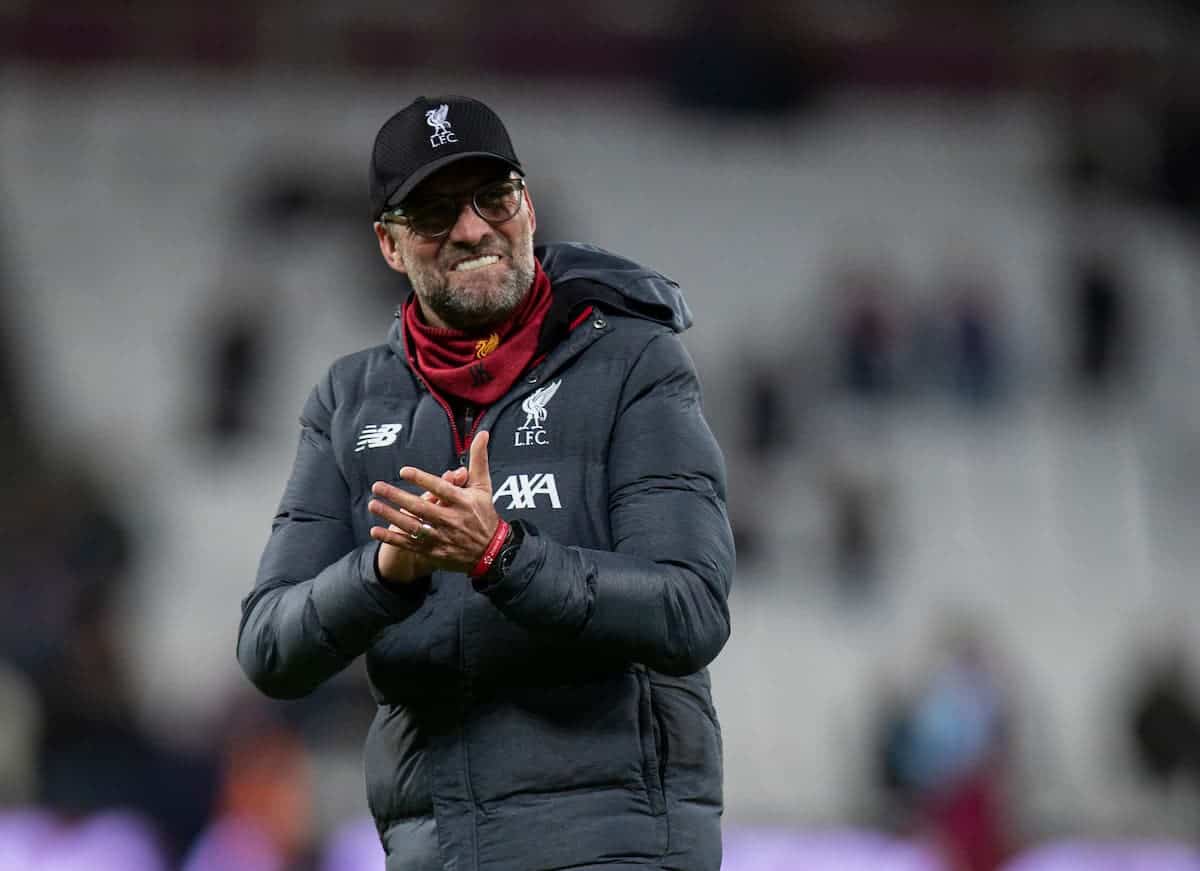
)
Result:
{"points": [[509, 552]]}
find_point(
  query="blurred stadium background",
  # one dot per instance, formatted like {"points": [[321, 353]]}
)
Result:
{"points": [[944, 263]]}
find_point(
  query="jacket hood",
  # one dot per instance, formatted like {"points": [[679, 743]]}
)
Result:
{"points": [[640, 291]]}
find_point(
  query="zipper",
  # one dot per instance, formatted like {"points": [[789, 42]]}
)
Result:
{"points": [[458, 443], [471, 418], [472, 422], [473, 415]]}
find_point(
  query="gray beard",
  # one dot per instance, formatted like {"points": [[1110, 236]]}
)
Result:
{"points": [[470, 312]]}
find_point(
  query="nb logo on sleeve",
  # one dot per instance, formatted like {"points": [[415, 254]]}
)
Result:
{"points": [[522, 491], [378, 436]]}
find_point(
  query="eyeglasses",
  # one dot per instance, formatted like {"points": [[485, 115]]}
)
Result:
{"points": [[495, 202]]}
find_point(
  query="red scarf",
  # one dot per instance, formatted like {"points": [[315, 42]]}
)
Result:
{"points": [[473, 368]]}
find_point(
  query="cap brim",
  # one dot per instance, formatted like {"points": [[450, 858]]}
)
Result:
{"points": [[397, 196]]}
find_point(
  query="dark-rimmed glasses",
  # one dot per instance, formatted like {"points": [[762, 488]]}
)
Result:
{"points": [[495, 202]]}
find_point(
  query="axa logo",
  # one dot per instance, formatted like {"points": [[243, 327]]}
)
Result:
{"points": [[533, 431], [436, 118], [377, 435], [523, 490]]}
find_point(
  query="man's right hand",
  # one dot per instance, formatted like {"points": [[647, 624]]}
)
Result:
{"points": [[398, 566]]}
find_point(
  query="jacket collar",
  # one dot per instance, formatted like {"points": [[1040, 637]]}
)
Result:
{"points": [[583, 275]]}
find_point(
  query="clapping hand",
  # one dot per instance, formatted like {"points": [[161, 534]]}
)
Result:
{"points": [[447, 527]]}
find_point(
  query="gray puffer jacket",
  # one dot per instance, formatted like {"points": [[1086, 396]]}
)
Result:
{"points": [[562, 719]]}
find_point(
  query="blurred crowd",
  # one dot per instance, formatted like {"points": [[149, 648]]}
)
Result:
{"points": [[80, 768], [883, 345]]}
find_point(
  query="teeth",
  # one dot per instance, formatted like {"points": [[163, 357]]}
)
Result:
{"points": [[476, 263]]}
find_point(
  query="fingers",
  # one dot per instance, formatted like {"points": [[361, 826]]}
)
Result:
{"points": [[403, 540], [478, 473], [404, 509], [389, 535], [442, 489], [448, 524], [392, 536], [457, 477], [402, 525], [437, 489], [403, 500]]}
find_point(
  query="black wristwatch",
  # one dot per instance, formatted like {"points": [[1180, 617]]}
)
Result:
{"points": [[500, 565]]}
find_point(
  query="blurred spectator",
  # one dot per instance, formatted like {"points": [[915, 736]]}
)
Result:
{"points": [[768, 425], [855, 486], [975, 352], [765, 432], [331, 722], [65, 554], [1164, 720], [956, 347], [1100, 319], [263, 819], [54, 564], [236, 344], [945, 750], [868, 332], [855, 498], [95, 754], [889, 748]]}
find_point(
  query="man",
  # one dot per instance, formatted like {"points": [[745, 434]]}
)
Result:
{"points": [[516, 510]]}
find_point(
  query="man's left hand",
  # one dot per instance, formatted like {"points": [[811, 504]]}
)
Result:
{"points": [[453, 528]]}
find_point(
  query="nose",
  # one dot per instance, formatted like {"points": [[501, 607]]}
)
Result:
{"points": [[469, 228]]}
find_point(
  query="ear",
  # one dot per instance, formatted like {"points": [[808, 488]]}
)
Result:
{"points": [[532, 213], [388, 247]]}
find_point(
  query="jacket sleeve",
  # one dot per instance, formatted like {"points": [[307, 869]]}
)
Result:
{"points": [[317, 602], [660, 597]]}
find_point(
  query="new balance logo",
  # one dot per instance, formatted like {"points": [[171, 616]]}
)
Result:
{"points": [[377, 436], [522, 490]]}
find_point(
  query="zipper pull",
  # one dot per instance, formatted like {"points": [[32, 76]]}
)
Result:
{"points": [[468, 428]]}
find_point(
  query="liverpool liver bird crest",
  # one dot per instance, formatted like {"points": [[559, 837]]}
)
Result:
{"points": [[534, 406], [436, 118]]}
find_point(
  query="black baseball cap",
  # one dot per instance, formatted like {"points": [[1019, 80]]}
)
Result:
{"points": [[428, 134]]}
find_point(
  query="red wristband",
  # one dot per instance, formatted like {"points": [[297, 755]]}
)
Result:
{"points": [[493, 550]]}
